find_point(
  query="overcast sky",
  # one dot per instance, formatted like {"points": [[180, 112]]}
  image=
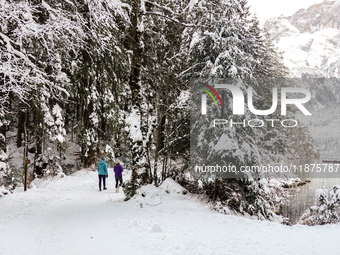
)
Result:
{"points": [[272, 8]]}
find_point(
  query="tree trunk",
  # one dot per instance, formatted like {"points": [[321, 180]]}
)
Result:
{"points": [[3, 138], [39, 134], [137, 50], [20, 131], [134, 83]]}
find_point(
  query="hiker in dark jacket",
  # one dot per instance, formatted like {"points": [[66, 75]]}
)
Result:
{"points": [[102, 173], [118, 169]]}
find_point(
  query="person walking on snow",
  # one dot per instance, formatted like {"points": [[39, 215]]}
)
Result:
{"points": [[102, 173], [118, 169]]}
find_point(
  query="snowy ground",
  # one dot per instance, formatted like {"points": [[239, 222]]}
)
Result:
{"points": [[70, 216]]}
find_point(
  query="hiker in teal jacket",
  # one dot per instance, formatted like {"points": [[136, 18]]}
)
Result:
{"points": [[102, 173]]}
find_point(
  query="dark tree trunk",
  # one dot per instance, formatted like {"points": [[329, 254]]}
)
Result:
{"points": [[20, 131], [39, 134], [136, 60], [137, 50], [3, 139]]}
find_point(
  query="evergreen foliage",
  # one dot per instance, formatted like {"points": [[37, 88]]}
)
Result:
{"points": [[325, 211], [116, 73]]}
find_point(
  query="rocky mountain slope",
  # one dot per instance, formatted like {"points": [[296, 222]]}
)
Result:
{"points": [[310, 40], [310, 43]]}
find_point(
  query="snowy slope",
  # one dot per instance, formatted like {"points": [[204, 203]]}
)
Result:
{"points": [[70, 216]]}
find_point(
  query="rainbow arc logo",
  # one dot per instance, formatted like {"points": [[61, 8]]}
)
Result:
{"points": [[209, 93]]}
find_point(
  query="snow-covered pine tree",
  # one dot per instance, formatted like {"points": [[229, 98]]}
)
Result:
{"points": [[98, 74], [228, 43], [221, 44], [300, 143], [164, 25], [35, 41], [155, 40], [324, 212], [269, 60]]}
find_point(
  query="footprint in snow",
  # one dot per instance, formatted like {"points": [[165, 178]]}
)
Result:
{"points": [[156, 229]]}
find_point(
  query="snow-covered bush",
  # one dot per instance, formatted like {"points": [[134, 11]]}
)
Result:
{"points": [[9, 178], [110, 155], [4, 169], [240, 196], [324, 212]]}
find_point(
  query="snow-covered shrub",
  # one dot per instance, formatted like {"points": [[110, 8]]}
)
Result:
{"points": [[128, 189], [9, 178], [5, 170], [335, 195], [240, 196], [89, 150], [49, 164], [3, 191], [324, 212], [110, 155]]}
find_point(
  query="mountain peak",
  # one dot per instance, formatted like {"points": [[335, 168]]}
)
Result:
{"points": [[309, 39], [314, 18], [317, 17]]}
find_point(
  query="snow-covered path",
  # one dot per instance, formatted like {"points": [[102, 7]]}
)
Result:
{"points": [[70, 216]]}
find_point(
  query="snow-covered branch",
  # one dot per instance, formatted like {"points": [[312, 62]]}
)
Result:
{"points": [[169, 18]]}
